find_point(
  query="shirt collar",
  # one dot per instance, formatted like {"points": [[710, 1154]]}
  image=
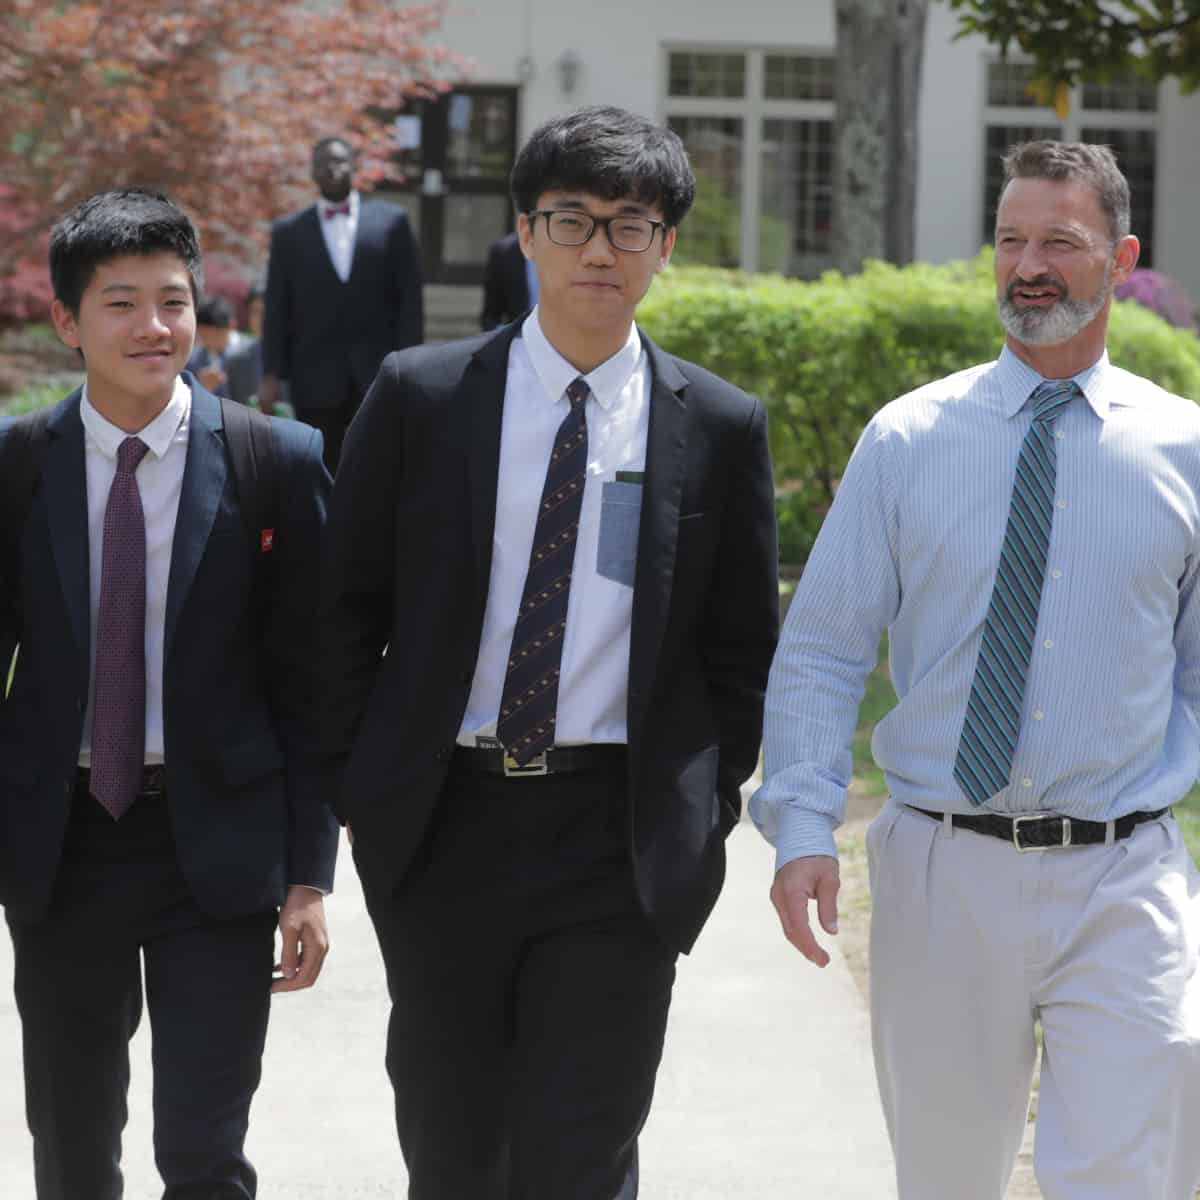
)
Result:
{"points": [[158, 435], [352, 200], [607, 381], [1018, 380]]}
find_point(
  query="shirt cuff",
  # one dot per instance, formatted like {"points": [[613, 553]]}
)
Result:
{"points": [[803, 833], [312, 887]]}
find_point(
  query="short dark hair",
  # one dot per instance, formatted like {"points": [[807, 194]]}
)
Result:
{"points": [[606, 152], [333, 141], [1082, 162], [115, 224], [215, 311]]}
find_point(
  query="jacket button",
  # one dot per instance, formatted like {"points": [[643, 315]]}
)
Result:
{"points": [[468, 677]]}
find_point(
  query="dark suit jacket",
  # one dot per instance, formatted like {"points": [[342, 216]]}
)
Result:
{"points": [[326, 336], [409, 547], [505, 284], [238, 697]]}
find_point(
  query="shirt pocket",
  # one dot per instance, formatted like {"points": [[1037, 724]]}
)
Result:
{"points": [[620, 512]]}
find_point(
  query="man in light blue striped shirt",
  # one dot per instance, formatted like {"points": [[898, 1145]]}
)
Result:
{"points": [[973, 941]]}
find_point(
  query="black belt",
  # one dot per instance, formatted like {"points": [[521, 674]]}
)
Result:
{"points": [[153, 781], [1040, 831], [558, 760]]}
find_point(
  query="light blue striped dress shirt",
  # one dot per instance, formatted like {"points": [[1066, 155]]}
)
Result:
{"points": [[910, 545]]}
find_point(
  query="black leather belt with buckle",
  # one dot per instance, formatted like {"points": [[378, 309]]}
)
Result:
{"points": [[558, 760], [1046, 831], [153, 783]]}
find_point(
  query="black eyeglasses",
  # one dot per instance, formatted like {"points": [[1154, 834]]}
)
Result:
{"points": [[569, 227]]}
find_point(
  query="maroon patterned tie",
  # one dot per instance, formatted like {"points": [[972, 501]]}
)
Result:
{"points": [[119, 696]]}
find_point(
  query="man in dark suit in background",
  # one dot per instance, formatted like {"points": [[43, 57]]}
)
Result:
{"points": [[509, 283], [343, 289], [564, 538], [156, 802]]}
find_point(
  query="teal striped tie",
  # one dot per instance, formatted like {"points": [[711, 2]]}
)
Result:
{"points": [[993, 719]]}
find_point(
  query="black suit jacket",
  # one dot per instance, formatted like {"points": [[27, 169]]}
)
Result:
{"points": [[238, 696], [408, 558], [505, 284], [325, 336]]}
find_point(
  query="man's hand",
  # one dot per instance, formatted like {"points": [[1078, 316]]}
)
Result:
{"points": [[268, 394], [798, 882], [305, 940]]}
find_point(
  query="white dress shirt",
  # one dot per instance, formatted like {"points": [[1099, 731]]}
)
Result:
{"points": [[592, 694], [160, 480], [339, 232]]}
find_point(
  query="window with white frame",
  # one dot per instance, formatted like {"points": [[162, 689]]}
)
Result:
{"points": [[1121, 113], [758, 127]]}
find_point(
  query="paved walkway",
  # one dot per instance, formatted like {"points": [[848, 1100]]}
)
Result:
{"points": [[766, 1091]]}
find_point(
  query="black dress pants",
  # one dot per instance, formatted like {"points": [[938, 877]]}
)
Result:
{"points": [[120, 898], [333, 421], [529, 994]]}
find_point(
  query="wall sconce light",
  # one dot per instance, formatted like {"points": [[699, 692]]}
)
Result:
{"points": [[568, 65]]}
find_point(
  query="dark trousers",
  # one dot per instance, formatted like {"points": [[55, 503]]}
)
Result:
{"points": [[529, 994], [120, 899], [333, 421]]}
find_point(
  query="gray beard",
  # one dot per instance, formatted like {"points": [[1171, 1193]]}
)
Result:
{"points": [[1055, 325]]}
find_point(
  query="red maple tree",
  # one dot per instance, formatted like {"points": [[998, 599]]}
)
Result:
{"points": [[215, 103]]}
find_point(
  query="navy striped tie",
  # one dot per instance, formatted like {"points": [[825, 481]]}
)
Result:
{"points": [[529, 701], [993, 718]]}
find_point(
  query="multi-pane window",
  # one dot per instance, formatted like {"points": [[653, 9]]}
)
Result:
{"points": [[799, 77], [758, 126], [1127, 93], [797, 175], [706, 75], [1009, 85], [1120, 113], [714, 226]]}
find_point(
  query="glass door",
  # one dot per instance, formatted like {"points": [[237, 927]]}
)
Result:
{"points": [[450, 170]]}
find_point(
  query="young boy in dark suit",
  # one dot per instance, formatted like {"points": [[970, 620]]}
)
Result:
{"points": [[156, 807]]}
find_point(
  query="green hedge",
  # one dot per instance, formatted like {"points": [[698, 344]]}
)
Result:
{"points": [[825, 355]]}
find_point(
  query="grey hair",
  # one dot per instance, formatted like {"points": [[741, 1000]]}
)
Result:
{"points": [[1075, 161]]}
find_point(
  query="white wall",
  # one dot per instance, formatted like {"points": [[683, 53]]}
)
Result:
{"points": [[618, 42]]}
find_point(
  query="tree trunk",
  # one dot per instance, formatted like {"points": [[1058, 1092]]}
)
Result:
{"points": [[877, 86]]}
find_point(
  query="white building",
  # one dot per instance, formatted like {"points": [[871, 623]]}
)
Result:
{"points": [[748, 85]]}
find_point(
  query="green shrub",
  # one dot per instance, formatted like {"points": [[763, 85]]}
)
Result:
{"points": [[825, 355]]}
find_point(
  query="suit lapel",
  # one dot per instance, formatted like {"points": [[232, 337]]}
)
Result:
{"points": [[64, 487], [203, 484], [483, 408], [658, 531]]}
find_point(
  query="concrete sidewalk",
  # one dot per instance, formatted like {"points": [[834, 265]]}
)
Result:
{"points": [[766, 1091]]}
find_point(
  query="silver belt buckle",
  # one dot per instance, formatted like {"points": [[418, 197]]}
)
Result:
{"points": [[1066, 831], [535, 766]]}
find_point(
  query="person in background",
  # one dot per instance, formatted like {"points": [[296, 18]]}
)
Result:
{"points": [[216, 338], [509, 283], [343, 288]]}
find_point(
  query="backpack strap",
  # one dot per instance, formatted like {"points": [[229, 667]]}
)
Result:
{"points": [[21, 455], [251, 444]]}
